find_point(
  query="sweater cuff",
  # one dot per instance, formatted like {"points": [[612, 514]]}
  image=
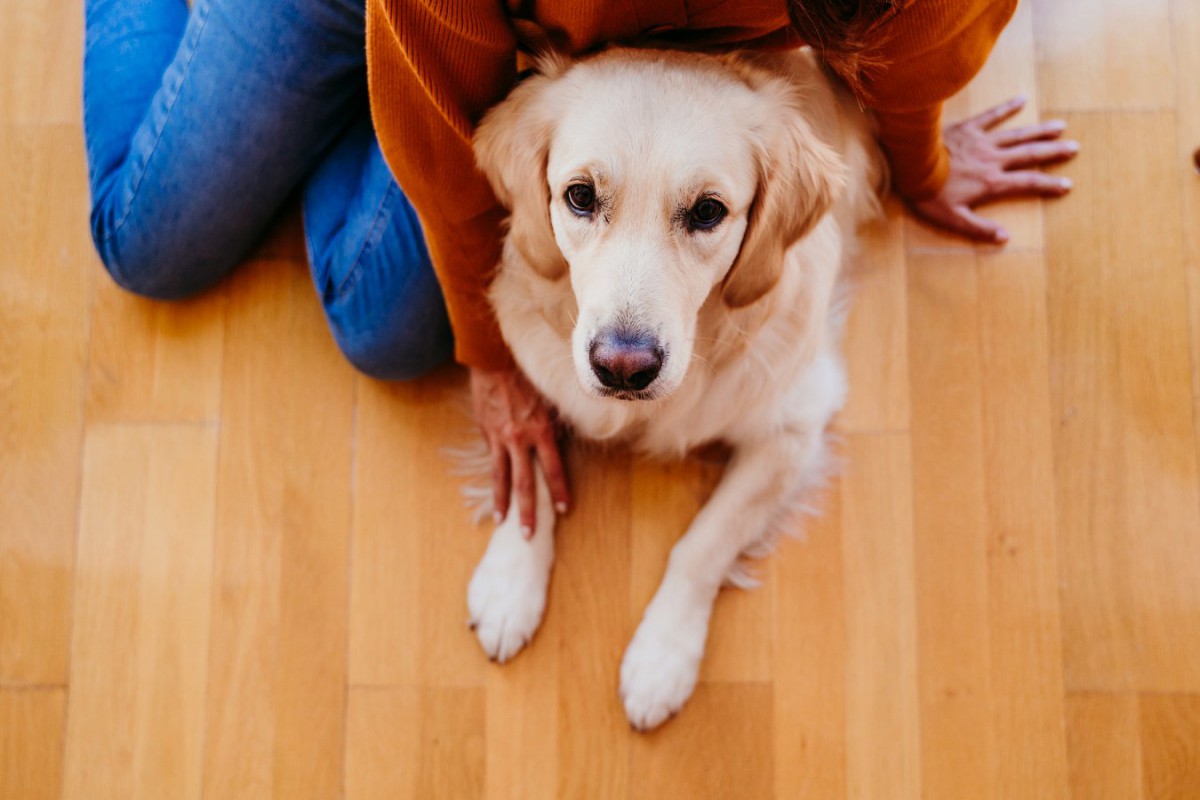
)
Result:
{"points": [[918, 158], [479, 344]]}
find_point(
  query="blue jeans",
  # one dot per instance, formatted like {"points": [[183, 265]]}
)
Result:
{"points": [[200, 125]]}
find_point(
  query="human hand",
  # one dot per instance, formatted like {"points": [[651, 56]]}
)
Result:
{"points": [[517, 422], [987, 165]]}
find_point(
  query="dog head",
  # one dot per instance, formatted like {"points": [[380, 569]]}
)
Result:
{"points": [[652, 180]]}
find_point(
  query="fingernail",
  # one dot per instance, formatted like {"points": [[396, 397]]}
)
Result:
{"points": [[1001, 236], [1065, 183], [526, 531], [560, 507], [497, 517], [1072, 146], [1057, 124], [1020, 99]]}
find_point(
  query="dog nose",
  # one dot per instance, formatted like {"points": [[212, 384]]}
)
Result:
{"points": [[625, 361]]}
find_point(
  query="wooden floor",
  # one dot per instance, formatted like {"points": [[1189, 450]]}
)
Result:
{"points": [[231, 568]]}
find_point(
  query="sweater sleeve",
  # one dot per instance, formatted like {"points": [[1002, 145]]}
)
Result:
{"points": [[435, 67], [929, 51]]}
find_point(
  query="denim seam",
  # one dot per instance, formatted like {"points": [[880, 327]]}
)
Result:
{"points": [[369, 241], [137, 184]]}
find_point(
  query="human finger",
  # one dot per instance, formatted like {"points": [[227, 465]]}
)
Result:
{"points": [[550, 458], [998, 113], [501, 482], [1027, 182], [1050, 129], [979, 227], [963, 220], [1036, 154], [523, 487]]}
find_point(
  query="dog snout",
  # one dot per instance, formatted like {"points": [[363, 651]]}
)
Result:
{"points": [[624, 361]]}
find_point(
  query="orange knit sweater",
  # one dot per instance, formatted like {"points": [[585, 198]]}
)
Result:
{"points": [[435, 66]]}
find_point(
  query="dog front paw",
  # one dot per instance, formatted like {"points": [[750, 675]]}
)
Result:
{"points": [[507, 594], [661, 664]]}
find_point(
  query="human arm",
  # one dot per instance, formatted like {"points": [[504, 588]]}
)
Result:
{"points": [[433, 71], [929, 51]]}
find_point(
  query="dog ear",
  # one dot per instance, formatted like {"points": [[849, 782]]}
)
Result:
{"points": [[799, 180], [511, 145]]}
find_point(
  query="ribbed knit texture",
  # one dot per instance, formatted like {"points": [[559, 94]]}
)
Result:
{"points": [[436, 66]]}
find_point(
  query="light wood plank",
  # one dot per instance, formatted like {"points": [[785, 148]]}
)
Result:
{"points": [[141, 633], [1111, 57], [1125, 448], [591, 591], [883, 756], [714, 753], [416, 743], [949, 519], [410, 569], [1025, 637], [453, 722], [41, 57], [809, 659], [155, 361], [1103, 746], [876, 342], [1011, 70], [31, 743], [1170, 734], [522, 700], [1185, 30], [46, 275], [276, 696], [382, 743]]}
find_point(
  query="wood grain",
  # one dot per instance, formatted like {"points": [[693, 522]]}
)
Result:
{"points": [[1170, 732], [1185, 28], [882, 693], [1112, 58], [382, 743], [46, 277], [810, 652], [877, 330], [715, 757], [949, 524], [276, 694], [1025, 635], [141, 635], [1121, 381], [1104, 746], [31, 742], [40, 40], [406, 562], [593, 736], [155, 361]]}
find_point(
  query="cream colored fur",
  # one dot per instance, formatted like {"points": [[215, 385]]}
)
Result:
{"points": [[746, 313]]}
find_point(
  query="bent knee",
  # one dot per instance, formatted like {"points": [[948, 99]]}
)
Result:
{"points": [[154, 264], [403, 357]]}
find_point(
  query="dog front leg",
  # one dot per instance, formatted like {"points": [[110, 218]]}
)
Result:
{"points": [[662, 661], [507, 594]]}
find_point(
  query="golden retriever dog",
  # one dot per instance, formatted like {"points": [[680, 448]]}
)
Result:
{"points": [[669, 279]]}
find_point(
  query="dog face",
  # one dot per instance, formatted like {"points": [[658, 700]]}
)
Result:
{"points": [[653, 180]]}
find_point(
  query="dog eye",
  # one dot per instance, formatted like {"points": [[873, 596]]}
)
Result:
{"points": [[706, 214], [581, 197]]}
